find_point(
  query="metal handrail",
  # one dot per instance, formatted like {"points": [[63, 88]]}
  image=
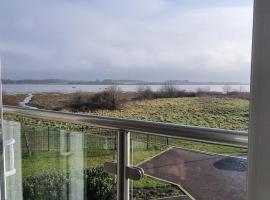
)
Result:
{"points": [[209, 135]]}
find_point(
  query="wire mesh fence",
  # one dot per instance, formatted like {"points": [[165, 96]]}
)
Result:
{"points": [[44, 138]]}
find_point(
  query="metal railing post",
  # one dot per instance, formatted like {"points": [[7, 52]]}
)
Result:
{"points": [[123, 162]]}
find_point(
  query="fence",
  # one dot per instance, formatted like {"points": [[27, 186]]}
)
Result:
{"points": [[44, 138]]}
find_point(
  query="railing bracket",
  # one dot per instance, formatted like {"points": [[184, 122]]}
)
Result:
{"points": [[133, 173]]}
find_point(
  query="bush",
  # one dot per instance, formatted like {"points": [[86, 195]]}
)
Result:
{"points": [[49, 185], [239, 95], [145, 93], [109, 99], [79, 102], [166, 91], [53, 185], [100, 185]]}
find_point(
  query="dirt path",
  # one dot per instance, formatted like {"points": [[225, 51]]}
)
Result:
{"points": [[203, 176]]}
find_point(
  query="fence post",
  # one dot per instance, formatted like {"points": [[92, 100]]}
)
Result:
{"points": [[147, 142], [123, 162], [48, 138], [27, 142]]}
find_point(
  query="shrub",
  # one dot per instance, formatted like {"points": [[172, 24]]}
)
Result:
{"points": [[53, 185], [79, 102], [145, 93], [109, 99], [167, 91], [100, 185], [239, 95], [227, 89], [49, 185]]}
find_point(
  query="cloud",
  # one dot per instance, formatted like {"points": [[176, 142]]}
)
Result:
{"points": [[154, 40]]}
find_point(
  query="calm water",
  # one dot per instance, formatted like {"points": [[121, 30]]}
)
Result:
{"points": [[29, 88]]}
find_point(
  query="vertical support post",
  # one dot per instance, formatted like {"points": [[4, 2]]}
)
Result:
{"points": [[2, 152], [259, 137], [147, 142], [123, 162]]}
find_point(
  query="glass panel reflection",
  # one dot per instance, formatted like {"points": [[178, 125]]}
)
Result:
{"points": [[14, 183], [54, 164]]}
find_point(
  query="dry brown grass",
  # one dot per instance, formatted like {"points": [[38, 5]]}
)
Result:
{"points": [[13, 100], [51, 101], [60, 101]]}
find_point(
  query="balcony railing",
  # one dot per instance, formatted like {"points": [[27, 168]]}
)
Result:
{"points": [[123, 168]]}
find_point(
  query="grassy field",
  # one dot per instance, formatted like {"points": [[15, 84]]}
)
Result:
{"points": [[214, 112], [226, 113]]}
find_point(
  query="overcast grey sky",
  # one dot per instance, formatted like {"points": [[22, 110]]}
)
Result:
{"points": [[198, 40]]}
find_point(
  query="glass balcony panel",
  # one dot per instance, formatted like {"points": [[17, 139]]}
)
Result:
{"points": [[143, 148], [176, 167], [52, 163], [12, 141]]}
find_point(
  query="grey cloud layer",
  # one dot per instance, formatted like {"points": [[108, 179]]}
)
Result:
{"points": [[136, 39]]}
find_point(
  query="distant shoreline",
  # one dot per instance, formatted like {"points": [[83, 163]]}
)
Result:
{"points": [[142, 84], [118, 82], [72, 88]]}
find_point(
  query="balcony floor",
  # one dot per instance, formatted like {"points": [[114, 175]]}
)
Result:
{"points": [[203, 176]]}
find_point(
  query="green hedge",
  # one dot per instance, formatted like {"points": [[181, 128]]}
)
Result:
{"points": [[53, 185], [50, 185], [100, 185]]}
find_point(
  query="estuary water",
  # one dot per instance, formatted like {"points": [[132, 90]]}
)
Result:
{"points": [[31, 88]]}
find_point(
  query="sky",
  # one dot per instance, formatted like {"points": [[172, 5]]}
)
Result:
{"points": [[153, 40]]}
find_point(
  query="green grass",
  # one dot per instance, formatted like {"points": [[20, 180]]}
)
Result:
{"points": [[225, 113], [42, 162], [45, 161], [150, 188], [52, 160], [199, 146], [150, 182], [213, 112]]}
